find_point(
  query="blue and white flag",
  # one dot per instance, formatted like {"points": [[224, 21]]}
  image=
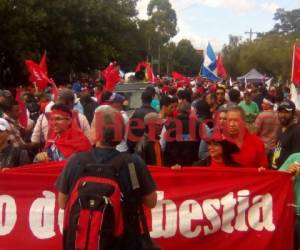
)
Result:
{"points": [[209, 67]]}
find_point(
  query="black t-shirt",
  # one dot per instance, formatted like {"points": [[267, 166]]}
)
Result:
{"points": [[288, 143], [71, 173]]}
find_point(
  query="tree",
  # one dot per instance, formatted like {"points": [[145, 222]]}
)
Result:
{"points": [[287, 21], [79, 36], [163, 18], [231, 55], [271, 52], [186, 60]]}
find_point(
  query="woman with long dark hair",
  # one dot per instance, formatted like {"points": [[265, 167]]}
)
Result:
{"points": [[220, 150]]}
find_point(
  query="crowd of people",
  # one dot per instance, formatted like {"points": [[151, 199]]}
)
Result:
{"points": [[178, 125]]}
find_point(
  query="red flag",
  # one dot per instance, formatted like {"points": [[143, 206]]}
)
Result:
{"points": [[106, 71], [44, 68], [37, 75], [296, 66], [43, 64], [141, 65], [23, 119], [54, 90], [220, 68], [149, 75], [183, 80], [111, 76]]}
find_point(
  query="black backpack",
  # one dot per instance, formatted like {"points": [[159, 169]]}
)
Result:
{"points": [[93, 217], [34, 110]]}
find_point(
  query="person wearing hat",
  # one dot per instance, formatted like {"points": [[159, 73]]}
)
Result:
{"points": [[10, 155], [118, 101], [267, 125], [288, 141], [221, 150]]}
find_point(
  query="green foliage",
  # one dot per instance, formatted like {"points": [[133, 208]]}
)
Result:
{"points": [[163, 19], [186, 58], [287, 21], [79, 36], [271, 53]]}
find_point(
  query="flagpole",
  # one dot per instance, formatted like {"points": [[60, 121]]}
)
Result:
{"points": [[293, 64]]}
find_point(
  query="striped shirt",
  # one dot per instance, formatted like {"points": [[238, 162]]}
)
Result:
{"points": [[267, 125]]}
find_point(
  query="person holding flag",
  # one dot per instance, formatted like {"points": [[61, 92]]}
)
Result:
{"points": [[65, 138]]}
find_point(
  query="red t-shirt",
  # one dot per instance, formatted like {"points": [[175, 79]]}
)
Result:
{"points": [[217, 165], [252, 152]]}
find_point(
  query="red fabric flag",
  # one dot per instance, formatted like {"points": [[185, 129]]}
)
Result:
{"points": [[44, 68], [149, 75], [178, 77], [37, 75], [106, 71], [71, 141], [23, 119], [43, 64], [181, 79], [296, 66], [112, 77], [141, 65], [221, 71]]}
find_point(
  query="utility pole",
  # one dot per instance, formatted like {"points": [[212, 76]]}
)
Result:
{"points": [[251, 33]]}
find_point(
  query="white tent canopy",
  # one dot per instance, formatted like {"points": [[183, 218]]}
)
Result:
{"points": [[252, 76]]}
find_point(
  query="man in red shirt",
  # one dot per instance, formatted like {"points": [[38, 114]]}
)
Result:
{"points": [[252, 150]]}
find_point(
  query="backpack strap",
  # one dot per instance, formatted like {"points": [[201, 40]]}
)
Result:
{"points": [[136, 189], [134, 181]]}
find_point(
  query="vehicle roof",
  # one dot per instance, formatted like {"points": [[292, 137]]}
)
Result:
{"points": [[132, 87]]}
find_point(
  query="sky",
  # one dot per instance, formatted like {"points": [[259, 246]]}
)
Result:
{"points": [[203, 21]]}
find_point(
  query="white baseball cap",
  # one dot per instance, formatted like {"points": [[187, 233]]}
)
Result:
{"points": [[4, 126]]}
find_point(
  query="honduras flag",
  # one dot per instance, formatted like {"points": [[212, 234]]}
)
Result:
{"points": [[209, 67]]}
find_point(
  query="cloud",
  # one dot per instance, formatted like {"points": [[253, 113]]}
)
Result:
{"points": [[238, 6], [269, 7], [198, 41]]}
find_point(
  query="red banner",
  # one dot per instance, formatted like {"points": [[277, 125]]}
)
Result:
{"points": [[197, 208], [296, 66]]}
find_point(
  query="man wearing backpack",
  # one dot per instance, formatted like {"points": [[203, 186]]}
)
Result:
{"points": [[108, 130]]}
